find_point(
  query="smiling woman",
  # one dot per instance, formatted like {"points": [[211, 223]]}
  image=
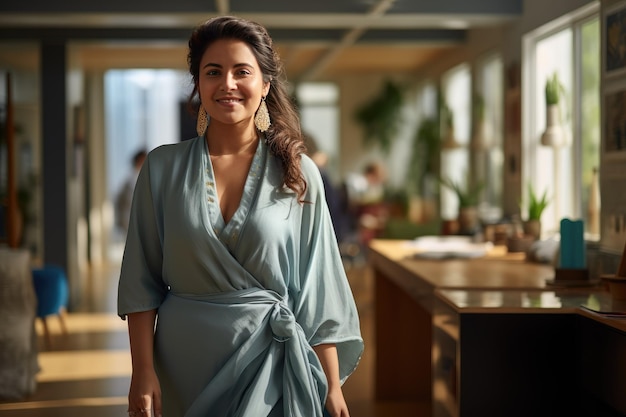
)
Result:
{"points": [[230, 235], [231, 85]]}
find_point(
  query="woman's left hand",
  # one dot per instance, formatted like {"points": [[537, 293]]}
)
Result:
{"points": [[336, 404]]}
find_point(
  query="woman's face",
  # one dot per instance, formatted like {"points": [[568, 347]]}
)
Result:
{"points": [[230, 82]]}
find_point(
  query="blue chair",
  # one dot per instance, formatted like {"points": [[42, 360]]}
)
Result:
{"points": [[52, 292]]}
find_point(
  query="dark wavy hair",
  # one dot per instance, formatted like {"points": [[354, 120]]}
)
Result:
{"points": [[284, 137]]}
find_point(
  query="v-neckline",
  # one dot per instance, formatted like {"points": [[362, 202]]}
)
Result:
{"points": [[228, 232]]}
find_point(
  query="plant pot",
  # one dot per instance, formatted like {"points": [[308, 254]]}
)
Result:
{"points": [[554, 135], [532, 228], [468, 220], [480, 140]]}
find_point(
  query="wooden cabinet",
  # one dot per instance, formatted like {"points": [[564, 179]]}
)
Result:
{"points": [[502, 361], [531, 353]]}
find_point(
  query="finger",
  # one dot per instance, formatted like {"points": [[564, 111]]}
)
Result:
{"points": [[157, 404], [146, 407]]}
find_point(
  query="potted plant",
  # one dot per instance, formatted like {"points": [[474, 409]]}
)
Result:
{"points": [[536, 206], [423, 170], [447, 130], [469, 198], [554, 135], [381, 117], [479, 123], [425, 156]]}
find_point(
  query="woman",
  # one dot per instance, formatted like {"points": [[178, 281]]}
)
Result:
{"points": [[231, 245]]}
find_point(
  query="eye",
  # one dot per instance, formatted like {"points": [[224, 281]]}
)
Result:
{"points": [[244, 72], [212, 72]]}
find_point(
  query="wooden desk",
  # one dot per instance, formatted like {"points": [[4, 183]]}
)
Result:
{"points": [[409, 290], [404, 292]]}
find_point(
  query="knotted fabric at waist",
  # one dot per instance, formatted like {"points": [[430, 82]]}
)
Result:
{"points": [[281, 318], [304, 385]]}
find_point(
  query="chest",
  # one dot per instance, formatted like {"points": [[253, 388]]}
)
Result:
{"points": [[231, 172]]}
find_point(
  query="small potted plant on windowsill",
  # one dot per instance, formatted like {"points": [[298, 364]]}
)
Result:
{"points": [[536, 206], [469, 198], [554, 135]]}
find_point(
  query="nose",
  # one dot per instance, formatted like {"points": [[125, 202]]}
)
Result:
{"points": [[228, 82]]}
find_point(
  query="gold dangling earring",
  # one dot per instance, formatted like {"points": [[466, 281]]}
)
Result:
{"points": [[262, 117], [202, 121]]}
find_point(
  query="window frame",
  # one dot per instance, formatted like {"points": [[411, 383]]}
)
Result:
{"points": [[573, 21]]}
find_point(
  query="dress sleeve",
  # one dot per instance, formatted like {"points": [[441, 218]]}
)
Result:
{"points": [[324, 305], [141, 287]]}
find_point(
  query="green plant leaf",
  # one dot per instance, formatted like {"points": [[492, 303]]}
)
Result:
{"points": [[554, 89], [382, 116], [536, 204], [468, 196]]}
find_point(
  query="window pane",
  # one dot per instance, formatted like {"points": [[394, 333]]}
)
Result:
{"points": [[141, 111], [489, 157], [553, 167], [319, 116], [590, 105], [455, 162]]}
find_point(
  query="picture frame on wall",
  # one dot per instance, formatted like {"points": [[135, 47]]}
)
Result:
{"points": [[615, 39], [614, 141]]}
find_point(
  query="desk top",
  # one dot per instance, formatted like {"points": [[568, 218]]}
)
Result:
{"points": [[497, 270], [496, 283], [599, 306]]}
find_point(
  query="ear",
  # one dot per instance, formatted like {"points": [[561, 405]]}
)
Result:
{"points": [[266, 88]]}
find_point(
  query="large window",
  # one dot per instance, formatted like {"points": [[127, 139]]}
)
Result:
{"points": [[569, 49], [142, 112], [319, 116], [456, 95], [487, 144], [424, 165]]}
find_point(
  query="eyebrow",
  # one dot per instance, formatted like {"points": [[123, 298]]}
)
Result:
{"points": [[211, 64]]}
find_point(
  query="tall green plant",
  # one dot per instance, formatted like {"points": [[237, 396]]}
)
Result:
{"points": [[536, 204], [425, 157], [468, 196], [478, 107], [382, 116]]}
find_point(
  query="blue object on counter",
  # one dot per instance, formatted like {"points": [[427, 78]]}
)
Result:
{"points": [[572, 254]]}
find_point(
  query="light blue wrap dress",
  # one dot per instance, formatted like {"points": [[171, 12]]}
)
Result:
{"points": [[240, 303]]}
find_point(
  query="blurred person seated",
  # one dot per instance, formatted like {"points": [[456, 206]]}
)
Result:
{"points": [[366, 192]]}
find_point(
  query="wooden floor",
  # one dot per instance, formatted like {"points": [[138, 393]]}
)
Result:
{"points": [[86, 372]]}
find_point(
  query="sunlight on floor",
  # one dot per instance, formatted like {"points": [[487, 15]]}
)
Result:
{"points": [[68, 365], [84, 322], [74, 402]]}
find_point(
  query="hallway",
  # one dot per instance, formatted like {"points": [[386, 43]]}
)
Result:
{"points": [[87, 371]]}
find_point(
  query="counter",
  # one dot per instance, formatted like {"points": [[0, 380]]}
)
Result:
{"points": [[527, 353], [404, 294], [449, 331]]}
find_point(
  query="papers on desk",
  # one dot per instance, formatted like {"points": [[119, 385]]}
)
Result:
{"points": [[444, 247]]}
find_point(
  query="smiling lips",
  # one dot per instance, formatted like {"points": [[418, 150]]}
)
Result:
{"points": [[229, 100]]}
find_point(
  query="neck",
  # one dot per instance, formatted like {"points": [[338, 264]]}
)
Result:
{"points": [[231, 139]]}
